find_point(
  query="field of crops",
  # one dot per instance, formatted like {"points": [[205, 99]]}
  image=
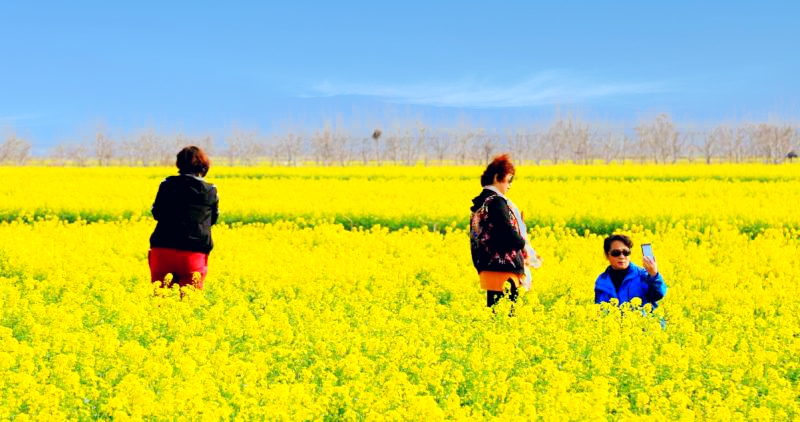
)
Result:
{"points": [[349, 293]]}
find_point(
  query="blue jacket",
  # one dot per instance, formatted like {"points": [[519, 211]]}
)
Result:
{"points": [[637, 283]]}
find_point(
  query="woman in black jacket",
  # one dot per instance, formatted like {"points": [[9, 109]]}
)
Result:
{"points": [[498, 236], [186, 207]]}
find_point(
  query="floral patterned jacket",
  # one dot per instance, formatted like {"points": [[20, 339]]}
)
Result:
{"points": [[494, 235]]}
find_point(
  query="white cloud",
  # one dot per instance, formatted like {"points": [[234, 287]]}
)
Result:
{"points": [[546, 88]]}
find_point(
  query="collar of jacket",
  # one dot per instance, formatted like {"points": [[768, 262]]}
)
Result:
{"points": [[194, 176], [495, 190]]}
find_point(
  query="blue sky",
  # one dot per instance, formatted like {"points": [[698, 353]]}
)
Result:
{"points": [[200, 66]]}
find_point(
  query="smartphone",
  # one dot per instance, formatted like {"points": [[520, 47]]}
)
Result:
{"points": [[647, 250]]}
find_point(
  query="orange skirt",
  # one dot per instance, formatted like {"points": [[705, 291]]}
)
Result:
{"points": [[494, 280]]}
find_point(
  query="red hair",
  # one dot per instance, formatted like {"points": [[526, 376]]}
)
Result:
{"points": [[499, 168], [193, 160]]}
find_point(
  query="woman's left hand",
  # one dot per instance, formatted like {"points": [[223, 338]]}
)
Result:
{"points": [[650, 265]]}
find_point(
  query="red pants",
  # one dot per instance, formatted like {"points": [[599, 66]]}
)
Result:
{"points": [[183, 265]]}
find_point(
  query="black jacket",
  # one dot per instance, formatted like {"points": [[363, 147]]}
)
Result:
{"points": [[186, 207], [494, 235]]}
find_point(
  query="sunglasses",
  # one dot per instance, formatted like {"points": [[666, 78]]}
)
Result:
{"points": [[617, 252]]}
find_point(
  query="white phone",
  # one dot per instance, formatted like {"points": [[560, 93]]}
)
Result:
{"points": [[647, 250]]}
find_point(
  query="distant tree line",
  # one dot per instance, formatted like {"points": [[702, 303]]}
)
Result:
{"points": [[564, 139]]}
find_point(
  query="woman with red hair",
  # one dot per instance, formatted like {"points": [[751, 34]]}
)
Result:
{"points": [[186, 207], [498, 236]]}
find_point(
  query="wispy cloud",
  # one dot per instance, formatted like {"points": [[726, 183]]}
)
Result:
{"points": [[18, 117], [545, 88]]}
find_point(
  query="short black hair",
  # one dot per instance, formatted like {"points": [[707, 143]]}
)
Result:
{"points": [[193, 160], [621, 237]]}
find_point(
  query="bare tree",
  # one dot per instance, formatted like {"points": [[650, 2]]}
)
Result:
{"points": [[14, 150], [342, 142], [322, 146], [103, 148], [180, 140], [125, 150], [79, 153], [440, 143], [728, 142], [58, 154], [289, 147], [712, 144], [166, 146], [76, 153], [536, 140], [462, 142], [271, 149], [566, 138], [772, 140], [391, 148], [366, 150], [409, 146], [612, 145], [357, 142], [485, 145], [422, 142], [376, 139], [659, 139], [581, 139], [740, 145], [244, 146], [204, 141], [463, 139], [685, 145], [145, 147], [518, 144], [556, 139]]}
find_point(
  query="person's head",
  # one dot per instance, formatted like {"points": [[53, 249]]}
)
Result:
{"points": [[617, 248], [192, 160], [499, 173]]}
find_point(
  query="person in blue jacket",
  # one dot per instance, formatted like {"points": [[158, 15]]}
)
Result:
{"points": [[624, 280]]}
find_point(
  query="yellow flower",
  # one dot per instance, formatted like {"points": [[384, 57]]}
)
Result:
{"points": [[304, 317]]}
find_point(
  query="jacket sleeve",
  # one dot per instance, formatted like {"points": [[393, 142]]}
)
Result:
{"points": [[159, 206], [214, 207], [600, 295], [656, 288], [503, 231]]}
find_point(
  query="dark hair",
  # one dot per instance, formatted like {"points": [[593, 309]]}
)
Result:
{"points": [[192, 160], [500, 167], [621, 237]]}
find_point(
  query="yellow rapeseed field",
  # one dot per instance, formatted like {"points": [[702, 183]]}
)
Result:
{"points": [[349, 294]]}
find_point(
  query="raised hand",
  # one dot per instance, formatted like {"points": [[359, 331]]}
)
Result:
{"points": [[650, 265]]}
